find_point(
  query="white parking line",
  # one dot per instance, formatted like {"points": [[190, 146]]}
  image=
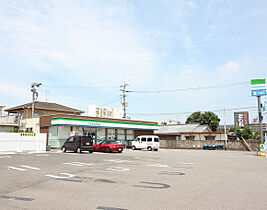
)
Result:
{"points": [[72, 164], [117, 169], [61, 177], [186, 163], [118, 160], [30, 167], [6, 156], [15, 168], [8, 153], [85, 164], [158, 165], [78, 164], [42, 155]]}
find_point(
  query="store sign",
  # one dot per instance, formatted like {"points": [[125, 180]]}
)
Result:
{"points": [[241, 119], [258, 87]]}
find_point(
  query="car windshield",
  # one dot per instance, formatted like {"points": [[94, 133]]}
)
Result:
{"points": [[111, 142]]}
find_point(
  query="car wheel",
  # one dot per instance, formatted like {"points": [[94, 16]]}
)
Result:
{"points": [[64, 149], [133, 148], [155, 149], [91, 151], [78, 150], [108, 150], [119, 151], [149, 148]]}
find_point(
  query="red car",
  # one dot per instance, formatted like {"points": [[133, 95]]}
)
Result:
{"points": [[108, 146]]}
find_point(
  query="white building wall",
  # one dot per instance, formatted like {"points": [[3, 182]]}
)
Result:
{"points": [[105, 112], [17, 142]]}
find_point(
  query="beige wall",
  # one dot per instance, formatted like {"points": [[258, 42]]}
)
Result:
{"points": [[33, 123]]}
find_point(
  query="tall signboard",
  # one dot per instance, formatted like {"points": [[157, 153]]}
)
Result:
{"points": [[258, 87], [241, 119]]}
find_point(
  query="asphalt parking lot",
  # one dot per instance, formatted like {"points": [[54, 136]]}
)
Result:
{"points": [[167, 179]]}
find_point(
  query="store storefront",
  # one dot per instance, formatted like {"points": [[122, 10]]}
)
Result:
{"points": [[60, 127]]}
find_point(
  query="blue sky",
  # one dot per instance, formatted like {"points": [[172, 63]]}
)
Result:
{"points": [[168, 44]]}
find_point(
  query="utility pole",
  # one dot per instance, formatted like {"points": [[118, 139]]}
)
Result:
{"points": [[124, 103], [225, 134], [34, 94]]}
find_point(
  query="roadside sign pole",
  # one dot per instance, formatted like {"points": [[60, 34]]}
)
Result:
{"points": [[260, 117]]}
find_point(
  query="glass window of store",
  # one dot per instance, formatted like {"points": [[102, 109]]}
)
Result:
{"points": [[101, 134], [120, 135], [111, 134], [130, 135]]}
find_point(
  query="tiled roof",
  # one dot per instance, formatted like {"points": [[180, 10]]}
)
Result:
{"points": [[45, 106], [174, 129]]}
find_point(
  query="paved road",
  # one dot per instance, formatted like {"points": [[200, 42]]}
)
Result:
{"points": [[167, 179]]}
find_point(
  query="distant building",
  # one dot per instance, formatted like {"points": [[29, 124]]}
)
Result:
{"points": [[21, 116], [256, 127], [7, 123], [186, 132], [221, 127], [1, 110], [105, 112]]}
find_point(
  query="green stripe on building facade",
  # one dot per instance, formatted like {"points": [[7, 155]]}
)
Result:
{"points": [[95, 121]]}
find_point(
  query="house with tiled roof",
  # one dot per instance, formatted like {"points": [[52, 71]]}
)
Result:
{"points": [[42, 109], [187, 132]]}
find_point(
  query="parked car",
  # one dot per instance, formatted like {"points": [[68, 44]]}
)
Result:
{"points": [[78, 144], [108, 146], [149, 142]]}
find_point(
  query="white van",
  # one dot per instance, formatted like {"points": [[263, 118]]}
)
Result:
{"points": [[148, 142]]}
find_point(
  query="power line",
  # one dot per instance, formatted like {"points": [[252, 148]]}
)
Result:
{"points": [[112, 101], [189, 89], [180, 113], [81, 87]]}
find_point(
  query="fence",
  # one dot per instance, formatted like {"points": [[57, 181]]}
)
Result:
{"points": [[8, 120], [22, 142], [198, 144]]}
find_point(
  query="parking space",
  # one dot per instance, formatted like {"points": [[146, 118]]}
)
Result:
{"points": [[166, 179]]}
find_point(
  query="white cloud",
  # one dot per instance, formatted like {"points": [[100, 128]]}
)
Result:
{"points": [[229, 68], [94, 44], [13, 91]]}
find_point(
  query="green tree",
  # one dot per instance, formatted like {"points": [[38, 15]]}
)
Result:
{"points": [[206, 118], [245, 132]]}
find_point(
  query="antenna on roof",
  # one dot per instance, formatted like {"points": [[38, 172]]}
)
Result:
{"points": [[34, 94]]}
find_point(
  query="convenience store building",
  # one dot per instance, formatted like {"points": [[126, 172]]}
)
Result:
{"points": [[59, 127]]}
